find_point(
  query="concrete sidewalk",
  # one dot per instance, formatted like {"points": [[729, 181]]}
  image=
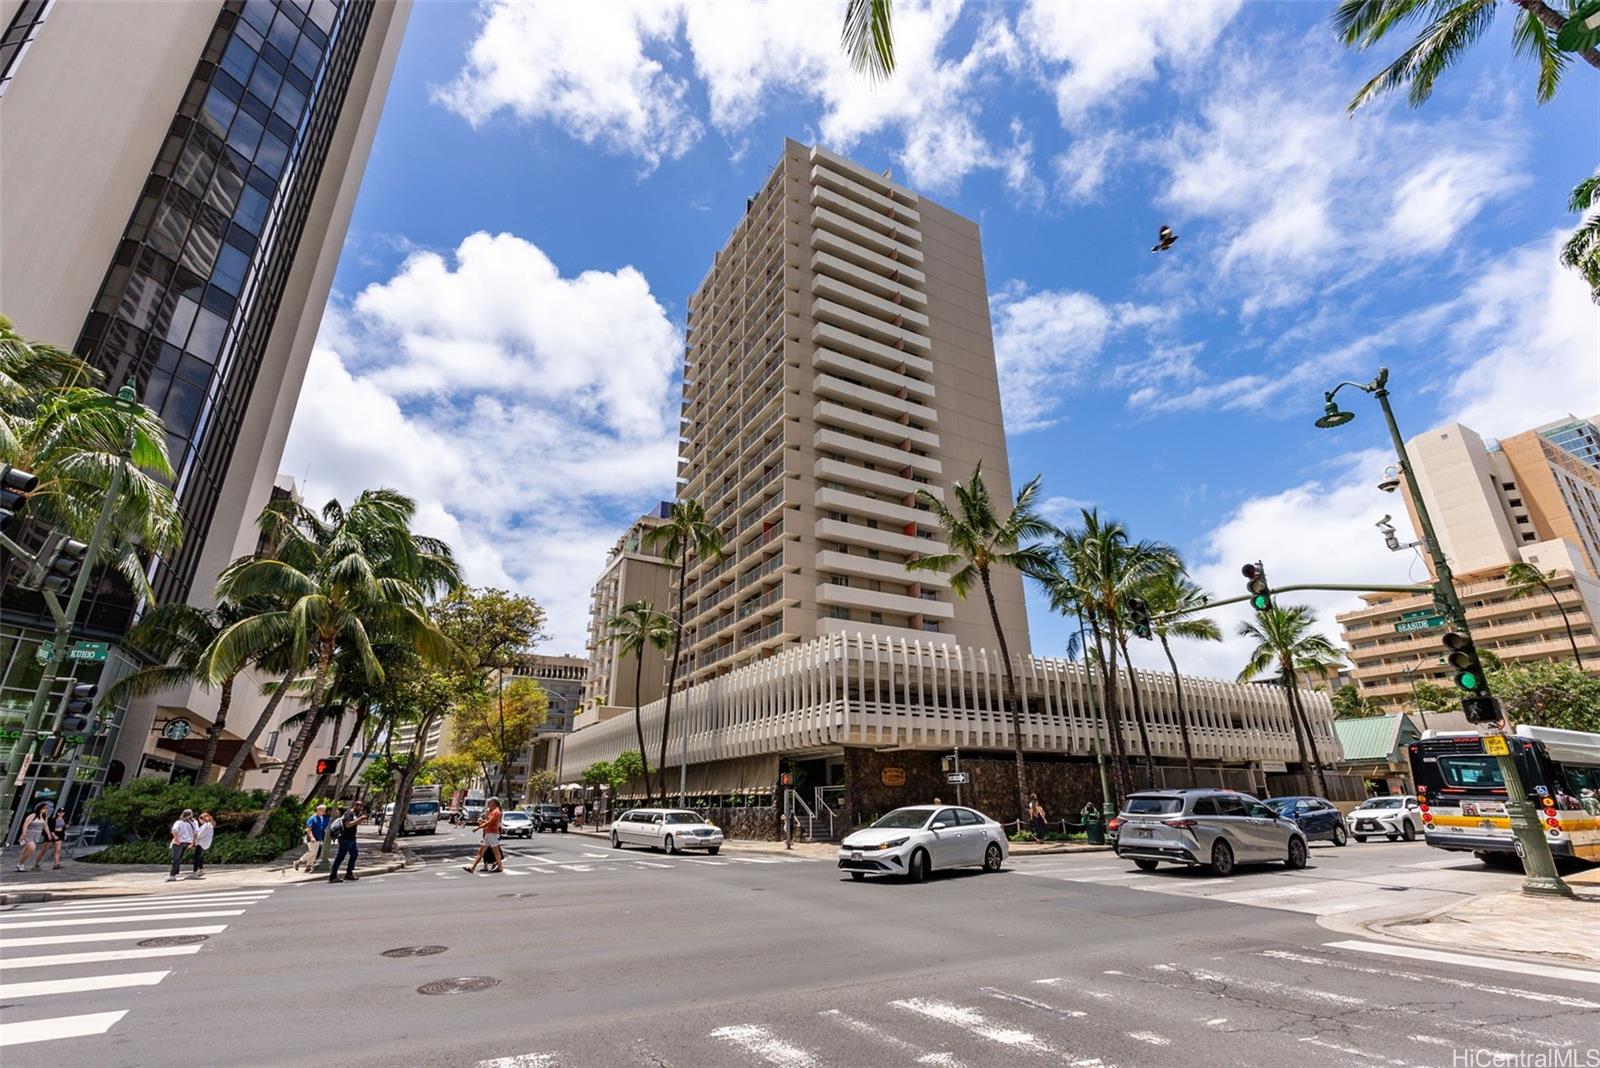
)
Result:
{"points": [[1512, 925], [830, 850], [78, 878]]}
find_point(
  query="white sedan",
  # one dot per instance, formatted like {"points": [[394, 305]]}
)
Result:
{"points": [[918, 840]]}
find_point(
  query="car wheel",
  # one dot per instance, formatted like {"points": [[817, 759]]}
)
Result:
{"points": [[1341, 836], [672, 846], [1297, 853], [992, 858], [1221, 858], [713, 850], [1145, 865], [1408, 831], [858, 875], [1361, 838], [563, 828], [920, 865], [616, 843]]}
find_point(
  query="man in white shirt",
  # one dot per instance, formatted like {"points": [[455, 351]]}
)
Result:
{"points": [[183, 832], [203, 833]]}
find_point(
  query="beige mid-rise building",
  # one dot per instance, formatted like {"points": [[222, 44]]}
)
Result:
{"points": [[840, 359], [633, 572], [1529, 498]]}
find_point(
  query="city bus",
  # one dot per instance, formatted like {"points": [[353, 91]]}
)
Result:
{"points": [[1463, 797]]}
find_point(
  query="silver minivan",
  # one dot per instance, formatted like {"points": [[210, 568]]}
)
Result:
{"points": [[1218, 829]]}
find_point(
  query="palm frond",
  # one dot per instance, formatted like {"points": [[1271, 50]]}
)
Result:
{"points": [[1533, 39], [868, 37], [1436, 48]]}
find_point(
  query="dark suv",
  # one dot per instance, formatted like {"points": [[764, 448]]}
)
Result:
{"points": [[549, 818]]}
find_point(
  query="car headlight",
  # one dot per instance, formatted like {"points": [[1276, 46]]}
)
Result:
{"points": [[896, 844]]}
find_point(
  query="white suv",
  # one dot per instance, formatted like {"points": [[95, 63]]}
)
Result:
{"points": [[1394, 817]]}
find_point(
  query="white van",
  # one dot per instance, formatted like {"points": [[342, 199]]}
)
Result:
{"points": [[422, 817]]}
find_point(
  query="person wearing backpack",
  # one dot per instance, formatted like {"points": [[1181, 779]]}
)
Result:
{"points": [[345, 829]]}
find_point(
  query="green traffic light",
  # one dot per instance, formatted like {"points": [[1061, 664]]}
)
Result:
{"points": [[1469, 680], [1260, 602]]}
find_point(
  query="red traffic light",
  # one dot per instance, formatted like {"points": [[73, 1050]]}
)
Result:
{"points": [[325, 766]]}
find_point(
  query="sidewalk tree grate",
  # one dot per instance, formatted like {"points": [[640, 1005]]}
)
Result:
{"points": [[465, 985], [173, 940], [414, 951]]}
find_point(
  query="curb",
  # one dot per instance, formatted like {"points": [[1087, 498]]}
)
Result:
{"points": [[24, 897], [405, 858], [1383, 928]]}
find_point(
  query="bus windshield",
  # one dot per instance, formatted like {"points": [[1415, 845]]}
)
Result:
{"points": [[1471, 772]]}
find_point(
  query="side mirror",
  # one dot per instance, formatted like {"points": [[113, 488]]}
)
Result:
{"points": [[937, 827]]}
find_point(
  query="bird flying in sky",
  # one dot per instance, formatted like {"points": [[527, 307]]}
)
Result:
{"points": [[1167, 237]]}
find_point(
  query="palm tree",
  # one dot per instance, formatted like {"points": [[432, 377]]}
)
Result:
{"points": [[1453, 27], [1171, 594], [1524, 579], [1104, 569], [1582, 250], [980, 541], [1284, 639], [30, 373], [633, 630], [687, 532], [342, 579], [868, 37]]}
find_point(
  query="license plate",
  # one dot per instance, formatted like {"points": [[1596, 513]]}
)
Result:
{"points": [[1144, 832], [856, 855], [1367, 825]]}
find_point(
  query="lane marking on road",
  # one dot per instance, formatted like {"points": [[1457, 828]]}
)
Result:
{"points": [[49, 960], [1268, 894], [649, 864], [1545, 971], [760, 1042], [113, 910], [1151, 1037], [1032, 1003], [703, 860], [90, 1023], [1217, 1022], [757, 860], [509, 870], [45, 987], [1353, 1051], [110, 936], [597, 856], [145, 901], [1564, 1000], [1265, 986], [861, 1027], [521, 1060], [1448, 862], [119, 918], [976, 1023], [576, 867]]}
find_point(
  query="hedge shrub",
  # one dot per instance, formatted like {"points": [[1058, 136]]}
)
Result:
{"points": [[226, 849], [142, 812]]}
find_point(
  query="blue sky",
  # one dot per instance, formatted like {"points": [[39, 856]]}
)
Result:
{"points": [[550, 182]]}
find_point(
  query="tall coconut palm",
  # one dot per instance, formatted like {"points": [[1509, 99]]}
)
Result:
{"points": [[1581, 251], [345, 578], [1525, 580], [1170, 593], [1106, 569], [634, 630], [868, 37], [981, 540], [1285, 639], [687, 532], [30, 373], [1453, 27]]}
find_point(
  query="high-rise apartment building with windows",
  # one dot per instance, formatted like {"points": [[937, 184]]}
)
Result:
{"points": [[633, 572], [178, 179], [839, 361]]}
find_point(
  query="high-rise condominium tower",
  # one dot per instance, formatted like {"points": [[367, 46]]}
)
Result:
{"points": [[839, 360]]}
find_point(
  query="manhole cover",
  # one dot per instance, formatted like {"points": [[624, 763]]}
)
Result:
{"points": [[173, 940], [414, 951], [465, 985]]}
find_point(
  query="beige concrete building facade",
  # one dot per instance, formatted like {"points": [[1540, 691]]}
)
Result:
{"points": [[175, 187], [839, 360], [633, 572], [1523, 499]]}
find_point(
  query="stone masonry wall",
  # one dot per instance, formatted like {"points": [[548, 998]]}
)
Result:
{"points": [[1064, 786]]}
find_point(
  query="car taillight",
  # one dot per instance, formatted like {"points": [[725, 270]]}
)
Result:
{"points": [[1113, 823], [1180, 823]]}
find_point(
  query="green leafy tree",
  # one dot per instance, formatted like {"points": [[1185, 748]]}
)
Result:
{"points": [[687, 532], [418, 697], [1096, 569], [980, 540], [1170, 592], [1286, 641], [630, 767], [452, 771], [344, 578], [541, 784], [497, 731], [1526, 580], [1581, 251], [633, 630], [868, 37], [1348, 703], [1547, 693], [493, 628], [1431, 697]]}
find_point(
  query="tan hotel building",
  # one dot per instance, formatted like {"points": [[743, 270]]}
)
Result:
{"points": [[632, 573], [839, 360], [1526, 498]]}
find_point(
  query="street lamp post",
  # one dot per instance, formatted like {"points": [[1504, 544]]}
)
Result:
{"points": [[1539, 867]]}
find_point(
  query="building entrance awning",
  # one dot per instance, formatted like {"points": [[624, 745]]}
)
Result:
{"points": [[194, 747]]}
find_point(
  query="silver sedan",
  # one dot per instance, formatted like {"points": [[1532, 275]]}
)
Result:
{"points": [[916, 841]]}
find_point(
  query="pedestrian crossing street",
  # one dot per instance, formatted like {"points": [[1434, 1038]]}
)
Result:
{"points": [[1310, 1006], [1319, 890], [537, 865], [95, 950]]}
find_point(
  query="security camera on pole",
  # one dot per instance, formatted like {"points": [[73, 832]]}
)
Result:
{"points": [[1540, 876]]}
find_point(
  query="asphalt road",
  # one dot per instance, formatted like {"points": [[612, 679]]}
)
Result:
{"points": [[752, 959]]}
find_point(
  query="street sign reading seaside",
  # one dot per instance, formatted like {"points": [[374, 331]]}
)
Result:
{"points": [[1430, 622]]}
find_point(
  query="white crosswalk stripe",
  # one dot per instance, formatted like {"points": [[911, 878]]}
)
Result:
{"points": [[45, 932]]}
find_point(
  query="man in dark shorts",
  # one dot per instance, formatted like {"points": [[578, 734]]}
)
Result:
{"points": [[344, 830]]}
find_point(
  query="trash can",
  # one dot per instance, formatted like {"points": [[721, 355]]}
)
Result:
{"points": [[1094, 827]]}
